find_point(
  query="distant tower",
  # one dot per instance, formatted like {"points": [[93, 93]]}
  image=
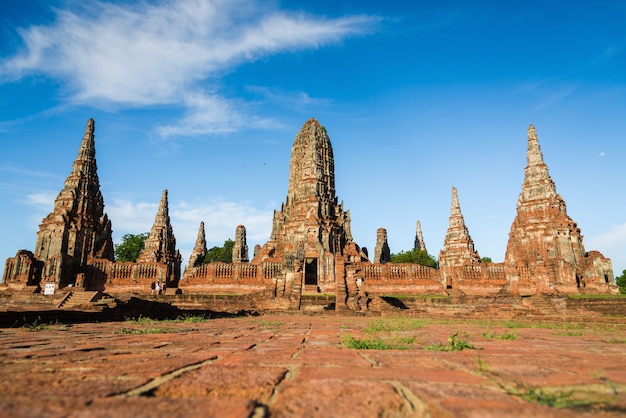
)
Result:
{"points": [[382, 254], [160, 246], [458, 247], [545, 252], [240, 248], [199, 250], [77, 230], [419, 239]]}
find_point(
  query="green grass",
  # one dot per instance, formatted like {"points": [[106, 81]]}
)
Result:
{"points": [[596, 296], [615, 340], [143, 331], [140, 331], [506, 335], [399, 324], [144, 320], [570, 333], [37, 325], [542, 397], [543, 325], [454, 344], [549, 397], [401, 343], [270, 324]]}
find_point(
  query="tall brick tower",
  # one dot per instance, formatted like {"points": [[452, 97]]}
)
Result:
{"points": [[160, 246], [77, 230], [311, 228], [458, 246], [545, 252]]}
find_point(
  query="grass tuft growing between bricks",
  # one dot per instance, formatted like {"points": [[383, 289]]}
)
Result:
{"points": [[504, 336], [401, 343], [454, 344]]}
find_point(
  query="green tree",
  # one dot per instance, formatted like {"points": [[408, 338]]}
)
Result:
{"points": [[414, 256], [130, 247], [621, 282], [486, 259], [223, 254]]}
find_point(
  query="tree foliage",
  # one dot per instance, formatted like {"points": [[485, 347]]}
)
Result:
{"points": [[130, 247], [223, 254], [414, 256], [486, 259], [621, 282]]}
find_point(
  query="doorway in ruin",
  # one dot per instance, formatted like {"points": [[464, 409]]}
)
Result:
{"points": [[310, 272]]}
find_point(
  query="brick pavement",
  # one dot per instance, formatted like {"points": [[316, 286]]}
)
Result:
{"points": [[284, 366]]}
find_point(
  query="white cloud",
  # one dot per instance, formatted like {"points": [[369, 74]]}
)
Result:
{"points": [[44, 200], [220, 220], [211, 114], [602, 154], [554, 96], [297, 100], [160, 54], [130, 217]]}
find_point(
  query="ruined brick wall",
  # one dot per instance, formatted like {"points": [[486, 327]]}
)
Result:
{"points": [[481, 278], [401, 278]]}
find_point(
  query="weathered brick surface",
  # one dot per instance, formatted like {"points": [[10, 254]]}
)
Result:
{"points": [[298, 366]]}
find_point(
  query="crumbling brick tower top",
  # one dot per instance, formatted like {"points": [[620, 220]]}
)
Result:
{"points": [[77, 230], [199, 249], [160, 246], [545, 249], [458, 246], [311, 222]]}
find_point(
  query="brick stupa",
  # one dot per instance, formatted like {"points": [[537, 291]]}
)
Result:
{"points": [[311, 227], [76, 232], [545, 252], [160, 246], [458, 246]]}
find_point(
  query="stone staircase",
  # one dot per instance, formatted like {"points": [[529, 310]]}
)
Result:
{"points": [[542, 306], [77, 298]]}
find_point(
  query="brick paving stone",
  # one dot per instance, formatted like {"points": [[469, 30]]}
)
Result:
{"points": [[283, 366]]}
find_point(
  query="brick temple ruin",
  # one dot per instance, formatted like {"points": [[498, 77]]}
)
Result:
{"points": [[311, 250]]}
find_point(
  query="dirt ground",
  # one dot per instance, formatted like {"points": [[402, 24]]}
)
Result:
{"points": [[313, 366]]}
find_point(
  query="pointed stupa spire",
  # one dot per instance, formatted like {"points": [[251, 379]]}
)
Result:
{"points": [[455, 208], [199, 249], [161, 243], [419, 239], [312, 171], [79, 207], [163, 206], [88, 149], [537, 181], [458, 246], [533, 155]]}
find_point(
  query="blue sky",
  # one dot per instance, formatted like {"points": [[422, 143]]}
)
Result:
{"points": [[204, 98]]}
